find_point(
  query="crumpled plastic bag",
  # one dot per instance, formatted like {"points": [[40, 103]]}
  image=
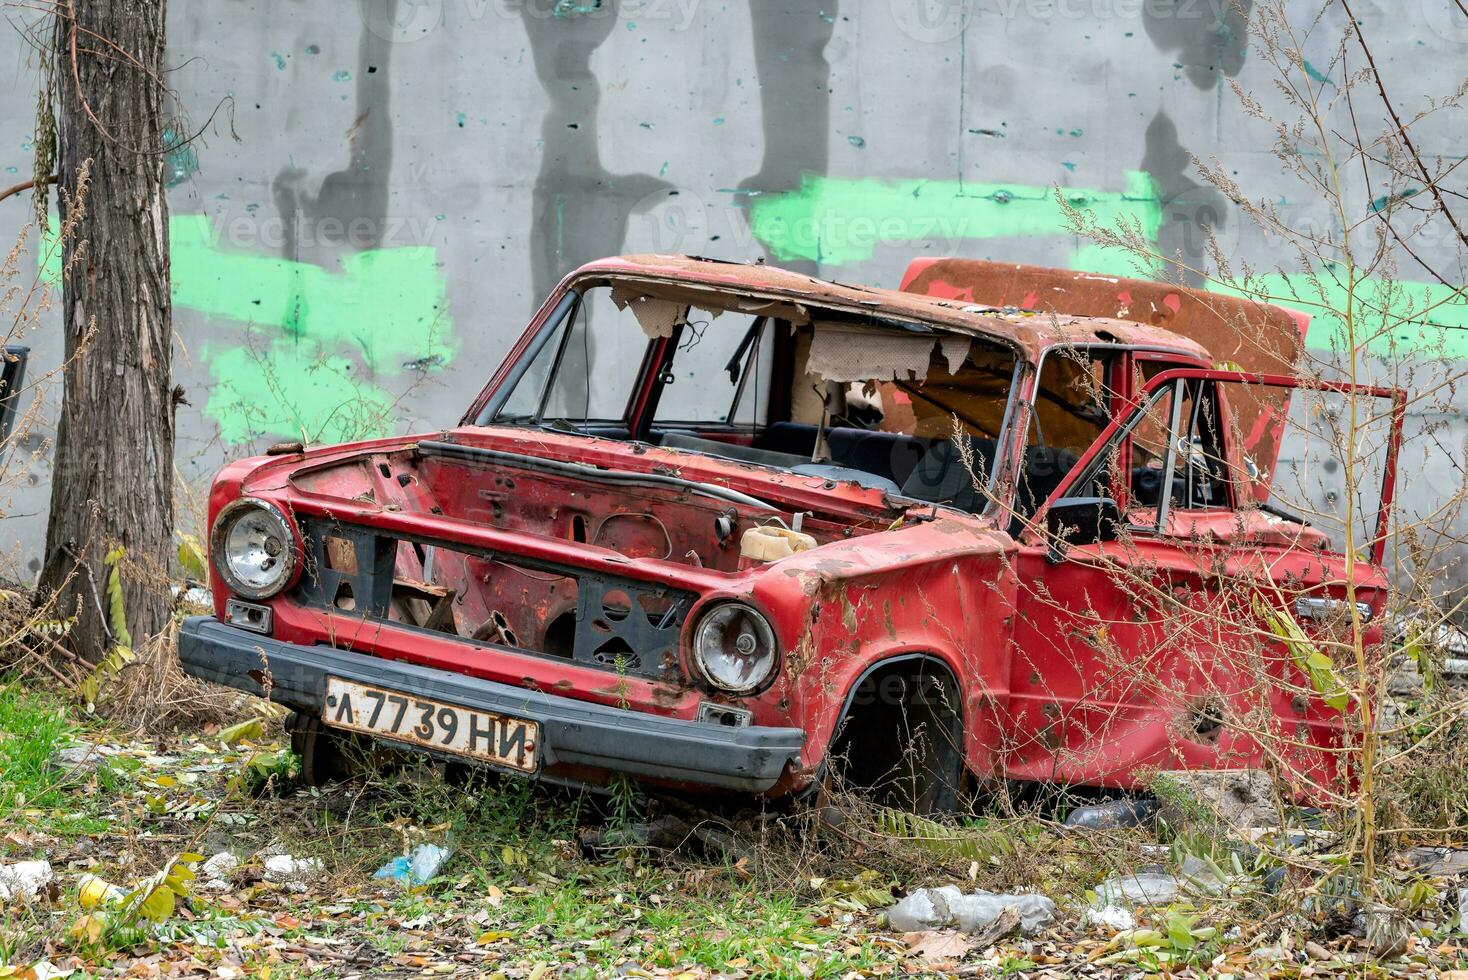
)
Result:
{"points": [[416, 868], [24, 879], [293, 872], [947, 907]]}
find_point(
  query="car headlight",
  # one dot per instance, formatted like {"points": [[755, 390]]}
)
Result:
{"points": [[734, 648], [253, 548]]}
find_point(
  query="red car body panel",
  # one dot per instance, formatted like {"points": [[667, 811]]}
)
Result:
{"points": [[1042, 697]]}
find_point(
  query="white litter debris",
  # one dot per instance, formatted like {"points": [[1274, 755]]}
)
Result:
{"points": [[1156, 886], [217, 869], [1147, 888], [293, 872], [84, 756], [1113, 918], [937, 908], [194, 595], [46, 970], [24, 880]]}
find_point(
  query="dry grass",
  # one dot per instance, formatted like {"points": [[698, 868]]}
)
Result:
{"points": [[153, 696]]}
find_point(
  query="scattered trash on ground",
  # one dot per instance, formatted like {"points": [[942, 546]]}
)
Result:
{"points": [[1113, 815], [84, 756], [24, 880], [217, 870], [1143, 888], [1438, 860], [93, 891], [1156, 886], [293, 872], [1112, 918], [418, 867], [1386, 931], [978, 912]]}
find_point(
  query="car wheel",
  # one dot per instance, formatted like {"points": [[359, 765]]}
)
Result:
{"points": [[327, 755]]}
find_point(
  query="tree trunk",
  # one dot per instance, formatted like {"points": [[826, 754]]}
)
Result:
{"points": [[112, 484]]}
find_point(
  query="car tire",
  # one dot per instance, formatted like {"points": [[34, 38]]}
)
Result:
{"points": [[327, 755]]}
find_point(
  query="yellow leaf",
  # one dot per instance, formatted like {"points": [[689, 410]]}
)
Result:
{"points": [[116, 615], [159, 905], [88, 928], [191, 556], [252, 730]]}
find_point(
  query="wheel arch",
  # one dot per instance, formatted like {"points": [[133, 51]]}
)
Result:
{"points": [[891, 733]]}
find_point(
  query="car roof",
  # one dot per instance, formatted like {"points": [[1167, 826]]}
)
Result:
{"points": [[1031, 332]]}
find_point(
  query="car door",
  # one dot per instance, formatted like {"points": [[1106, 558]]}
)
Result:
{"points": [[1138, 643]]}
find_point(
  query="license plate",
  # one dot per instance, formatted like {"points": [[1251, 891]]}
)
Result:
{"points": [[511, 742]]}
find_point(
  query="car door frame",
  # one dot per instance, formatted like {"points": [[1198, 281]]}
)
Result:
{"points": [[1129, 419], [1055, 698]]}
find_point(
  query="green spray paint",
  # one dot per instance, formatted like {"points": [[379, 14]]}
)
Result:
{"points": [[1439, 315], [318, 343], [837, 221]]}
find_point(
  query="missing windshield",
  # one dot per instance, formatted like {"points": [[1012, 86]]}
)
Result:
{"points": [[907, 408]]}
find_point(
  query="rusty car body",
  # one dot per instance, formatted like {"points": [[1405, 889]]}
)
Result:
{"points": [[725, 526]]}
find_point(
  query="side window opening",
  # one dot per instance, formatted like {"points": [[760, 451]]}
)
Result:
{"points": [[1178, 459], [1073, 404]]}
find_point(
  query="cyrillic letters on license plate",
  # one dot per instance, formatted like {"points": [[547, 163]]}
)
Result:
{"points": [[511, 742]]}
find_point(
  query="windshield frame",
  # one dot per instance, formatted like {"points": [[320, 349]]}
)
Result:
{"points": [[557, 319]]}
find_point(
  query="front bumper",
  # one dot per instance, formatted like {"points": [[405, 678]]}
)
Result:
{"points": [[573, 733]]}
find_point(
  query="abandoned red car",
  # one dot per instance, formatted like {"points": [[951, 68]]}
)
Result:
{"points": [[726, 526]]}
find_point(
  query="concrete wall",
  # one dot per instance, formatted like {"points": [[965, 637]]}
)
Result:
{"points": [[380, 192]]}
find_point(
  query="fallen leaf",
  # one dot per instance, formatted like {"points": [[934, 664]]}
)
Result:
{"points": [[1004, 923], [934, 947], [252, 730]]}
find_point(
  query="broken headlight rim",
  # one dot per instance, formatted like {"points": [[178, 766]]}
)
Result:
{"points": [[734, 648], [254, 548]]}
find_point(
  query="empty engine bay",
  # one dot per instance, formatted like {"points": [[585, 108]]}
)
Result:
{"points": [[555, 609]]}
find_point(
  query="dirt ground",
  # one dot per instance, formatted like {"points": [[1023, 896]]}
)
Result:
{"points": [[541, 883]]}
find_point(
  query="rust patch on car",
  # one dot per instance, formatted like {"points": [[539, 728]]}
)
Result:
{"points": [[848, 612]]}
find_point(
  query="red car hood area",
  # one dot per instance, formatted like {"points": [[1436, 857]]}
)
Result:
{"points": [[582, 567], [498, 545]]}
